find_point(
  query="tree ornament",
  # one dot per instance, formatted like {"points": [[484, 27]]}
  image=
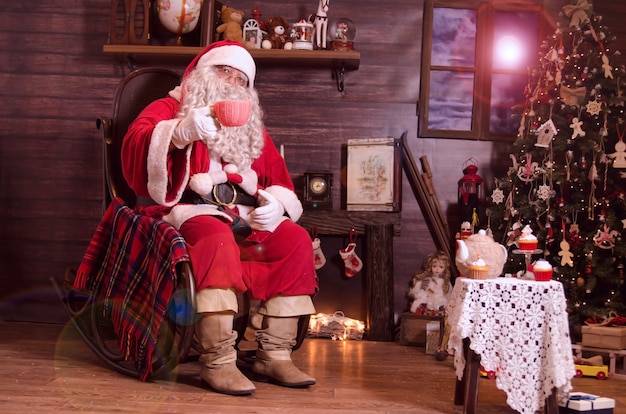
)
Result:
{"points": [[574, 234], [544, 192], [619, 156], [605, 238], [580, 282], [530, 171], [497, 196], [594, 107], [576, 125], [608, 70], [577, 14], [566, 255], [545, 133], [585, 73], [573, 96]]}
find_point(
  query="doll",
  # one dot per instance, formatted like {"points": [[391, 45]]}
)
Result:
{"points": [[431, 287]]}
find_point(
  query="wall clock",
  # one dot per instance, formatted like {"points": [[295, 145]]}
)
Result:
{"points": [[318, 190]]}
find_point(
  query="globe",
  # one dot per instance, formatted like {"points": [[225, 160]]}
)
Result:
{"points": [[179, 16]]}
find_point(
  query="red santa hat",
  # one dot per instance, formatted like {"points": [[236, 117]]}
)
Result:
{"points": [[227, 53]]}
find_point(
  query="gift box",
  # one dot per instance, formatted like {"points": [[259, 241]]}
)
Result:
{"points": [[587, 403], [432, 338], [611, 337]]}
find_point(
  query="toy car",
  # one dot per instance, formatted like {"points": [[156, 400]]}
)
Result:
{"points": [[601, 372]]}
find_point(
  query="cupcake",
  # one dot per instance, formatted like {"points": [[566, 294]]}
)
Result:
{"points": [[542, 270], [527, 241], [478, 269]]}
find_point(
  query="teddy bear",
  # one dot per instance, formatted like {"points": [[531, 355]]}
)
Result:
{"points": [[276, 37], [232, 22]]}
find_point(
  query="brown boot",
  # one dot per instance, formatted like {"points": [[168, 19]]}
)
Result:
{"points": [[218, 355], [273, 358]]}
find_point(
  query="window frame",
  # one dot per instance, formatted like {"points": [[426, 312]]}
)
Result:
{"points": [[482, 69]]}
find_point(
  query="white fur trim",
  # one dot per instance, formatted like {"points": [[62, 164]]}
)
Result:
{"points": [[158, 175], [231, 169], [250, 181], [202, 183], [183, 212], [288, 199], [231, 55], [176, 93]]}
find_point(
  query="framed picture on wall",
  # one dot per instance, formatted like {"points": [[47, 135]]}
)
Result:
{"points": [[374, 174]]}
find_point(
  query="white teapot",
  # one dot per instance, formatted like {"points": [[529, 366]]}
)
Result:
{"points": [[480, 245]]}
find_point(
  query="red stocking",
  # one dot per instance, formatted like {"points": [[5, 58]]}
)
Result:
{"points": [[351, 260]]}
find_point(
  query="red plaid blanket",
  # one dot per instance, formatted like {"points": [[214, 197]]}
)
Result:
{"points": [[130, 266]]}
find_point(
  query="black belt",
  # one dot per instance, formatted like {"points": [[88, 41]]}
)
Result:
{"points": [[225, 194]]}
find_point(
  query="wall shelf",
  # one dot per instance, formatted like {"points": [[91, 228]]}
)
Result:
{"points": [[346, 60]]}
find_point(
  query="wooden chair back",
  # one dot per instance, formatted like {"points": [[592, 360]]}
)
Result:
{"points": [[132, 95]]}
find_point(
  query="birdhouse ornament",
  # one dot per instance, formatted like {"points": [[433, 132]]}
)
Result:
{"points": [[545, 133]]}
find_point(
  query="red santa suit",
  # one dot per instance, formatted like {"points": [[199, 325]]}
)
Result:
{"points": [[268, 263]]}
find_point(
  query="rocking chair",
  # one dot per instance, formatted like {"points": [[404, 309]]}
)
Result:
{"points": [[94, 318]]}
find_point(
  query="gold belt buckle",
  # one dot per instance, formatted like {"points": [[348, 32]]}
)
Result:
{"points": [[222, 203]]}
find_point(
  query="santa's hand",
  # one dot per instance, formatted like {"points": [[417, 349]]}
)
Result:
{"points": [[196, 125], [269, 214]]}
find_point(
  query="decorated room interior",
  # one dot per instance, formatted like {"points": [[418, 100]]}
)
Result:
{"points": [[406, 139]]}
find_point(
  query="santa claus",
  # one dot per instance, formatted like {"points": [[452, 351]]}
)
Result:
{"points": [[195, 172]]}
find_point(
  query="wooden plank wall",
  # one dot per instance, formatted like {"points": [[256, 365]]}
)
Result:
{"points": [[55, 81]]}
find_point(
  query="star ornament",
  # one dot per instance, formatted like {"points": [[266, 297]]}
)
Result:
{"points": [[594, 107], [498, 196], [544, 192]]}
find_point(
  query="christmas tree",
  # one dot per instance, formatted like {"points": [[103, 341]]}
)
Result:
{"points": [[567, 180]]}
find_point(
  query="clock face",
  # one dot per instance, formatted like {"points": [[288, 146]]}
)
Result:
{"points": [[318, 185], [318, 190]]}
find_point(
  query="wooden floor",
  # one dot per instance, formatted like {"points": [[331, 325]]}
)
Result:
{"points": [[48, 369]]}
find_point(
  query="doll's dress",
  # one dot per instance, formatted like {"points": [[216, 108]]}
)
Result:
{"points": [[433, 295]]}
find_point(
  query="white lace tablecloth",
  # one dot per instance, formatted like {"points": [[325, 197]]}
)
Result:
{"points": [[520, 330]]}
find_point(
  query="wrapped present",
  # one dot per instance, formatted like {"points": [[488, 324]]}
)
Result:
{"points": [[433, 337], [587, 403], [610, 337]]}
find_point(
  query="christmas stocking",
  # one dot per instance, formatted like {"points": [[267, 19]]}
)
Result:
{"points": [[318, 255], [352, 262]]}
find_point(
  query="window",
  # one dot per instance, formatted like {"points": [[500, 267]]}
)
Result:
{"points": [[475, 63]]}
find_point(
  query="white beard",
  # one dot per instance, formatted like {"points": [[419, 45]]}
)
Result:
{"points": [[235, 145]]}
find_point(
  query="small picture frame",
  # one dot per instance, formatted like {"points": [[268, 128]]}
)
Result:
{"points": [[252, 34], [374, 174]]}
